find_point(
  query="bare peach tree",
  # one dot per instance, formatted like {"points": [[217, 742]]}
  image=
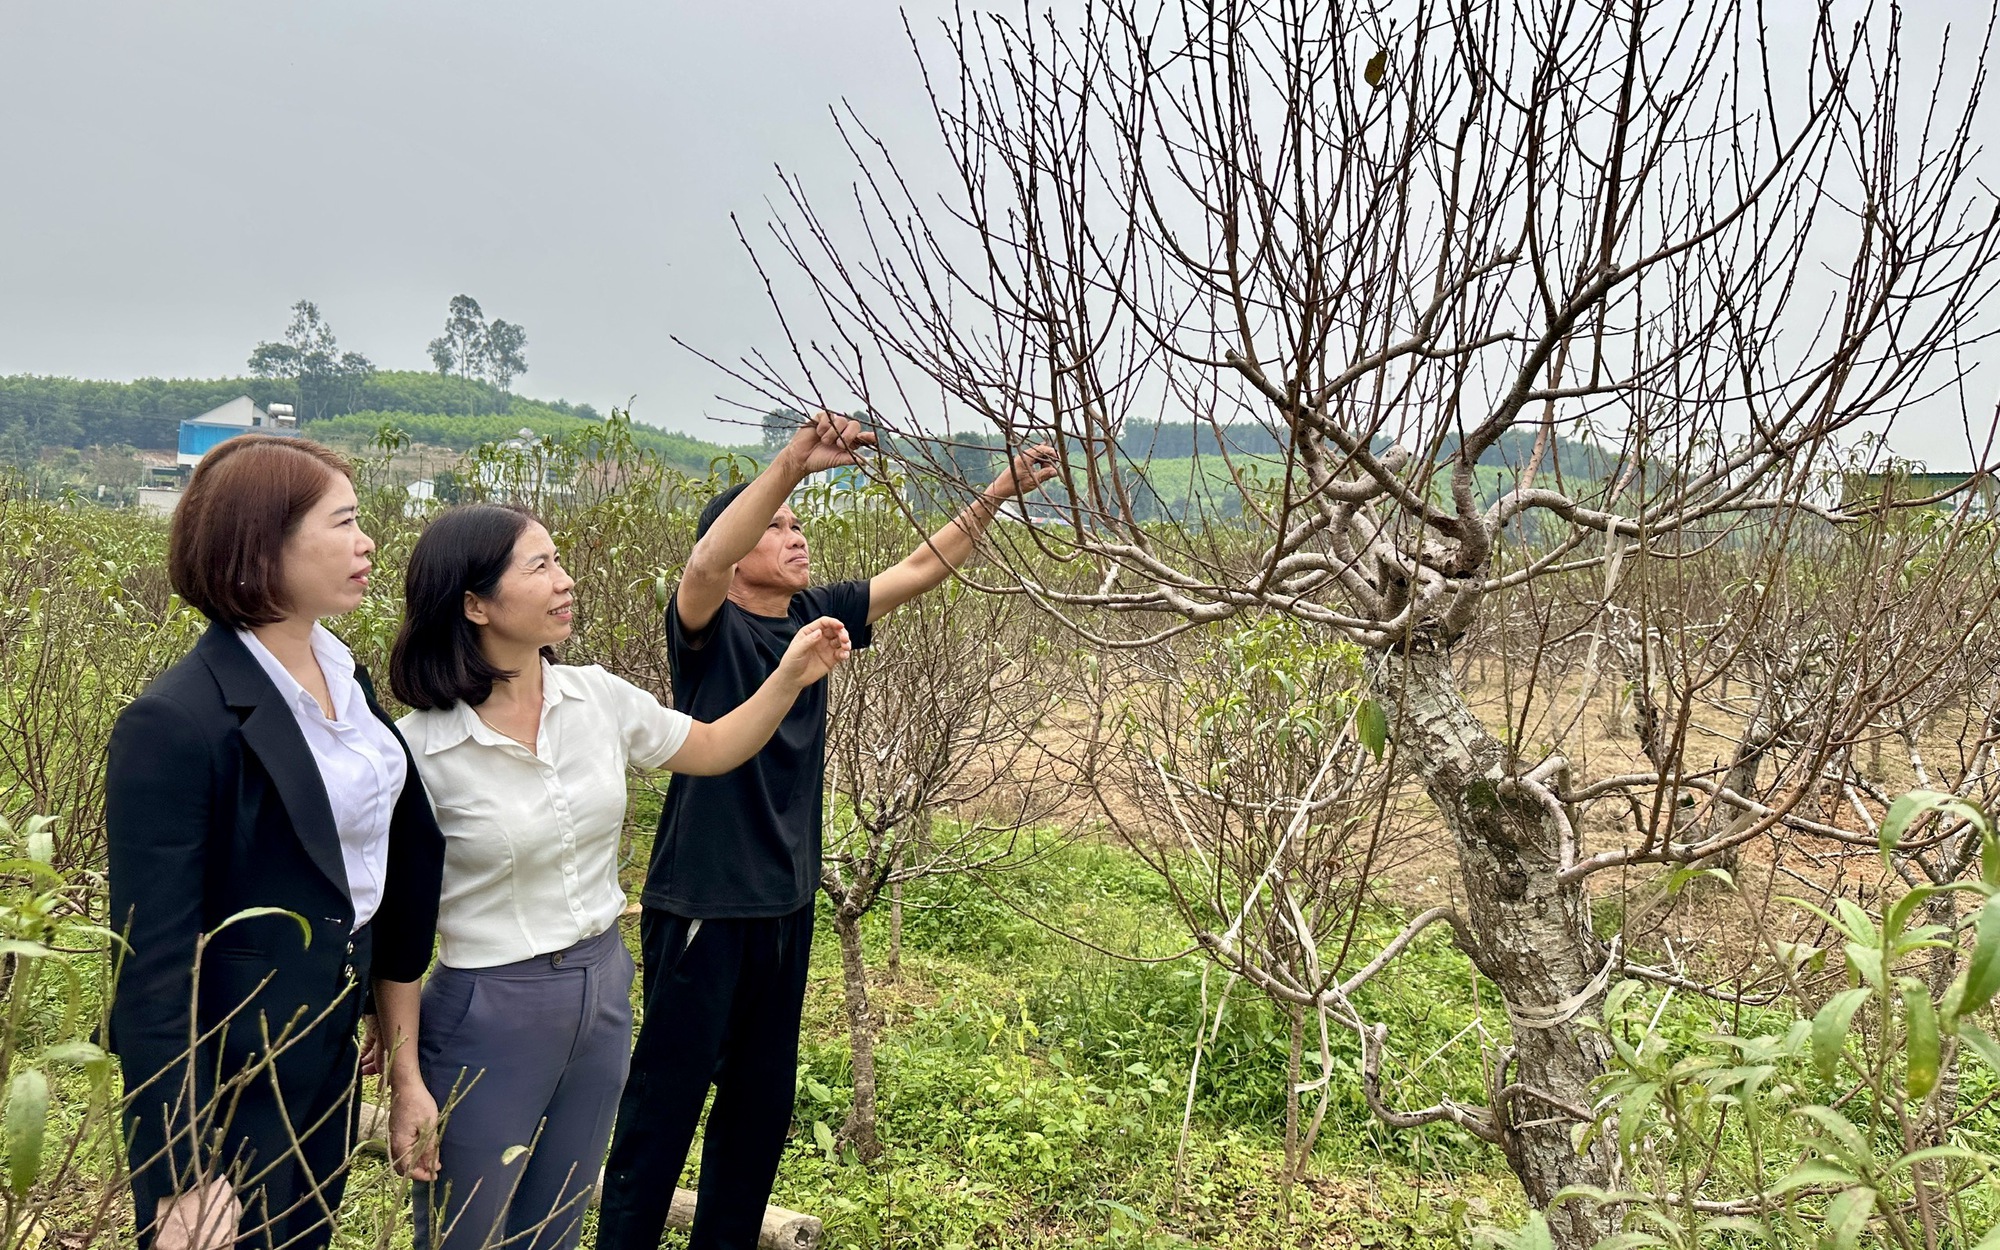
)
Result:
{"points": [[1240, 766], [1721, 240], [933, 765]]}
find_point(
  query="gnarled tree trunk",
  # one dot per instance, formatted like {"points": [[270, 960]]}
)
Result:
{"points": [[1530, 932]]}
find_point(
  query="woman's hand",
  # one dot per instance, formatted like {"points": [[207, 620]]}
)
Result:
{"points": [[204, 1218], [816, 650], [413, 1131], [373, 1053]]}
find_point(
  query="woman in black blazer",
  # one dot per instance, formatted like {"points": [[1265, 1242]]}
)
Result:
{"points": [[259, 773]]}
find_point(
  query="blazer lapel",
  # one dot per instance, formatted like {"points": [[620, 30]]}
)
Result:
{"points": [[271, 732]]}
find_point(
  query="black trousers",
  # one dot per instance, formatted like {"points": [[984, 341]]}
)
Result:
{"points": [[722, 1006]]}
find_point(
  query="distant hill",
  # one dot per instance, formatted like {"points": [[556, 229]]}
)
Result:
{"points": [[1175, 468], [37, 413], [75, 412], [356, 431]]}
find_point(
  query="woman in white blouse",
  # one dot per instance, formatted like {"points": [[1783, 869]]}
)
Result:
{"points": [[526, 1026]]}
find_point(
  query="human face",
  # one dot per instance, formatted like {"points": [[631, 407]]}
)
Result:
{"points": [[531, 606], [325, 561], [780, 560]]}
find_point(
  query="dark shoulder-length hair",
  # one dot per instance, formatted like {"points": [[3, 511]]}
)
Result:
{"points": [[437, 661]]}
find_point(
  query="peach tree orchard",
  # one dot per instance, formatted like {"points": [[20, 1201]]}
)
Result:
{"points": [[1720, 241]]}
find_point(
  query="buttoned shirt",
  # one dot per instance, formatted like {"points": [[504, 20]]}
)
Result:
{"points": [[531, 837], [360, 762]]}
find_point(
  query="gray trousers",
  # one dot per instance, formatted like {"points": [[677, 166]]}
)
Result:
{"points": [[530, 1054]]}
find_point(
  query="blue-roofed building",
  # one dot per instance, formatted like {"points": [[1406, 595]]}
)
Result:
{"points": [[201, 435]]}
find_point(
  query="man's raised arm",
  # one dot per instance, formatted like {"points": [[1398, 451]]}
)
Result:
{"points": [[928, 566], [822, 443]]}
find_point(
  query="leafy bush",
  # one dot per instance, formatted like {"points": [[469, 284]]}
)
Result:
{"points": [[1867, 1123]]}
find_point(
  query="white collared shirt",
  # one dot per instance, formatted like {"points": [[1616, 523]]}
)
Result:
{"points": [[531, 837], [360, 762]]}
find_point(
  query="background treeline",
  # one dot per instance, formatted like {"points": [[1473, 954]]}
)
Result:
{"points": [[41, 412]]}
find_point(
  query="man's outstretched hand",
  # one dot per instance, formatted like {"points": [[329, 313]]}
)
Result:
{"points": [[1027, 471], [827, 441]]}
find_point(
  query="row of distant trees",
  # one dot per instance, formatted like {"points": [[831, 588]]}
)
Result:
{"points": [[327, 380]]}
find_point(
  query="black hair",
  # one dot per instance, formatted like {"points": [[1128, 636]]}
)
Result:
{"points": [[437, 661], [714, 508]]}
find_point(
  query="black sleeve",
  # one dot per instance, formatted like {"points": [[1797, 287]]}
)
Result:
{"points": [[159, 788], [846, 602], [406, 922], [684, 645]]}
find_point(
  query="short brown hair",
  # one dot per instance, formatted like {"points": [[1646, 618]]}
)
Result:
{"points": [[225, 550]]}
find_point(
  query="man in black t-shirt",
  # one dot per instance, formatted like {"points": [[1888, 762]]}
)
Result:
{"points": [[726, 924]]}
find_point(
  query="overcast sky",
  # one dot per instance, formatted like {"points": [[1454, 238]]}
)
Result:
{"points": [[177, 174]]}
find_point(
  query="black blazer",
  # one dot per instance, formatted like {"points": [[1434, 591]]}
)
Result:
{"points": [[214, 805]]}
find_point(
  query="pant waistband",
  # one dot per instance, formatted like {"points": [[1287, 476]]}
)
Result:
{"points": [[587, 953]]}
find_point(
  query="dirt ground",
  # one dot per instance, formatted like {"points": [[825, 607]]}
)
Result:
{"points": [[1700, 928]]}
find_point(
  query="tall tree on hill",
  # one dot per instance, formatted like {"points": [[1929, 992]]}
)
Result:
{"points": [[1393, 240], [779, 425], [324, 378], [461, 349], [503, 361], [474, 350]]}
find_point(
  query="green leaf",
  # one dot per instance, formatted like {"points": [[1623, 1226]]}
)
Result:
{"points": [[1847, 1144], [1799, 957], [27, 1119], [85, 1053], [1679, 878], [1898, 918], [824, 1136], [1855, 923], [1378, 65], [1371, 725], [512, 1153], [1982, 970], [253, 913], [1982, 1045], [1921, 1020], [1954, 1154], [1829, 1030], [41, 843], [1904, 811], [1847, 1216], [1814, 1174], [1632, 1113], [1533, 1235]]}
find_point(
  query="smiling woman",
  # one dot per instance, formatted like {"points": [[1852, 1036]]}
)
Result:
{"points": [[255, 778]]}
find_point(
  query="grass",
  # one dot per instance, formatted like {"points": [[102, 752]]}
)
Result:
{"points": [[1031, 1089]]}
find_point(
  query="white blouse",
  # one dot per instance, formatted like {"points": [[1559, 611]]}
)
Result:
{"points": [[360, 762], [531, 837]]}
